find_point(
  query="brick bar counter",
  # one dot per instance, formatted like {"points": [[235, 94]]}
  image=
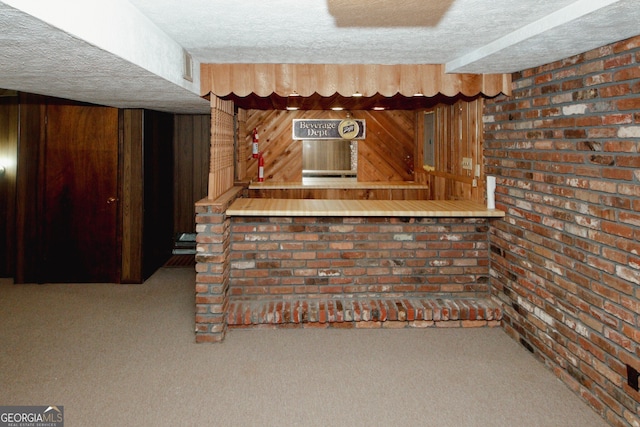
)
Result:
{"points": [[341, 263]]}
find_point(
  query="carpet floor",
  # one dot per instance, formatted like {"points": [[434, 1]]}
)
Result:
{"points": [[125, 355]]}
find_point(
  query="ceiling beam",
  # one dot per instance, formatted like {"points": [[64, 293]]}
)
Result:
{"points": [[555, 19], [119, 29]]}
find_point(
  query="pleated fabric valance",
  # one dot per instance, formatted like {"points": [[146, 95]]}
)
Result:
{"points": [[346, 80]]}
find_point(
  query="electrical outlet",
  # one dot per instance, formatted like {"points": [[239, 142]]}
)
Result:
{"points": [[467, 163]]}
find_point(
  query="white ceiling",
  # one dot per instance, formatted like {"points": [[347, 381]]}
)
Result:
{"points": [[129, 54]]}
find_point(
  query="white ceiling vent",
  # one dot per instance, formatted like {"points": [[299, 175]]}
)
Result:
{"points": [[187, 73]]}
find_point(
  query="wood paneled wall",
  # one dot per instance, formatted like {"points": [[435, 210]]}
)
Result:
{"points": [[386, 154], [457, 134], [8, 159], [131, 195], [282, 155], [28, 187], [22, 118], [146, 194], [191, 141], [158, 198]]}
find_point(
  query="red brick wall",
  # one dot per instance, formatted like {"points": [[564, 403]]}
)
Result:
{"points": [[312, 257], [566, 259], [212, 267]]}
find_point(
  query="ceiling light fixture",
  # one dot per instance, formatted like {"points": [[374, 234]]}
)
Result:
{"points": [[337, 108], [357, 94]]}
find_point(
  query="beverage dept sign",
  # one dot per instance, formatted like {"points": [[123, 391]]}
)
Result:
{"points": [[328, 129]]}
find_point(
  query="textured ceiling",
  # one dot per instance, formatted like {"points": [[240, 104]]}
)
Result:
{"points": [[124, 54]]}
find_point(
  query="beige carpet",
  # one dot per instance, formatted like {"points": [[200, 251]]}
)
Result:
{"points": [[124, 355]]}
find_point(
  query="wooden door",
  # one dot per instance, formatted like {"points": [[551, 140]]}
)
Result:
{"points": [[80, 194]]}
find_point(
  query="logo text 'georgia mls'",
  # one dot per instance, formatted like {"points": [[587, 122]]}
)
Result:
{"points": [[32, 416]]}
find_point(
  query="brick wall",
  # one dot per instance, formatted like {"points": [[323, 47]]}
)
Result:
{"points": [[566, 259], [285, 257], [212, 267]]}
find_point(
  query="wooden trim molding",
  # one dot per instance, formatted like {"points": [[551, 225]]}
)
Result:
{"points": [[346, 79], [132, 195]]}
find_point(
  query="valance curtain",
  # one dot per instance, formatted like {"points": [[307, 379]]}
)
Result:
{"points": [[346, 80]]}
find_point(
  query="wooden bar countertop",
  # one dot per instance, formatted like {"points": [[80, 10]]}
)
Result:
{"points": [[337, 184], [331, 207]]}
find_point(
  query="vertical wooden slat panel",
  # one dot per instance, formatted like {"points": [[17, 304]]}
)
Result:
{"points": [[285, 79], [132, 195], [242, 145], [410, 79], [221, 164], [389, 80], [201, 163], [183, 164], [459, 134], [367, 79], [454, 152], [218, 79], [346, 80], [243, 82], [307, 79], [261, 82], [474, 148], [29, 210], [327, 79]]}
